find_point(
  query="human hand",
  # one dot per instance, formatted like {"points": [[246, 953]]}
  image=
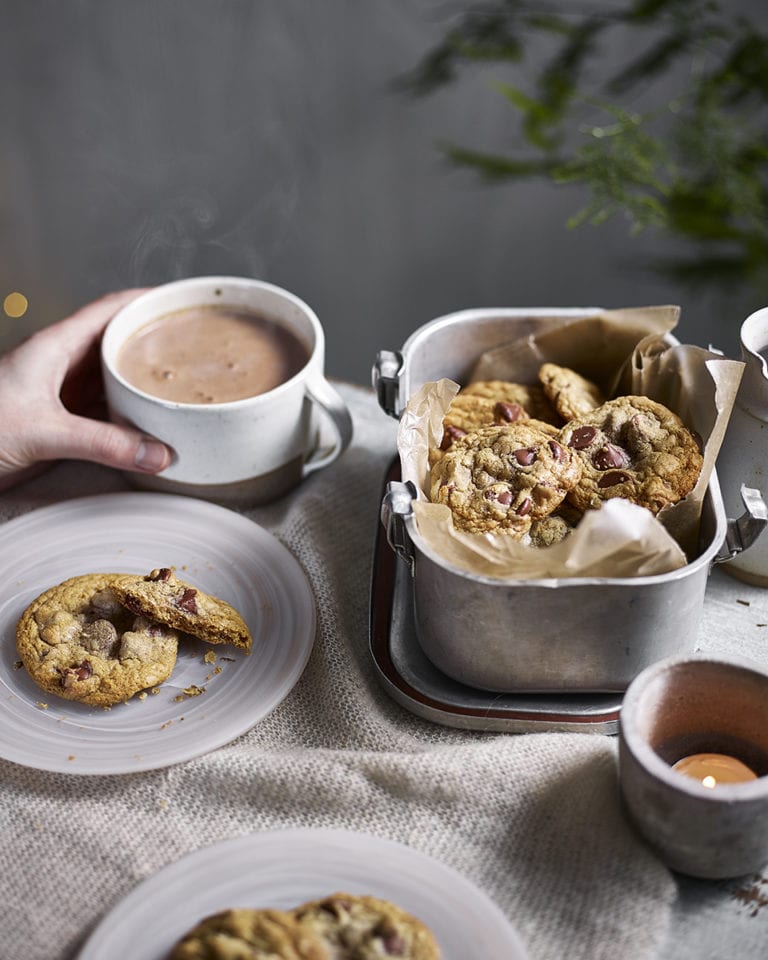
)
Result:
{"points": [[50, 401]]}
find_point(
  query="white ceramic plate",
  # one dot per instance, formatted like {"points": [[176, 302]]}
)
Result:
{"points": [[283, 868], [215, 549]]}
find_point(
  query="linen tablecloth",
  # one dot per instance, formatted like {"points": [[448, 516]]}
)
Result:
{"points": [[534, 820]]}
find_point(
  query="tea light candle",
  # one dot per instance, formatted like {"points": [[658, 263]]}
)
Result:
{"points": [[683, 721], [711, 769]]}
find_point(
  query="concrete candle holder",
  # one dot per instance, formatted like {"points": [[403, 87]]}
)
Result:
{"points": [[679, 708]]}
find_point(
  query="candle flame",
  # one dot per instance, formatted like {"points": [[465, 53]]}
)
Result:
{"points": [[709, 781]]}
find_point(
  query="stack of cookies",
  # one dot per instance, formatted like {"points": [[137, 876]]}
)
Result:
{"points": [[100, 638], [339, 927], [528, 460]]}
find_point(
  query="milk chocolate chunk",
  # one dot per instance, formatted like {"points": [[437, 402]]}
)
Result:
{"points": [[557, 451], [582, 437], [609, 456], [612, 478], [509, 412], [451, 433], [525, 457], [525, 507], [99, 637], [187, 600]]}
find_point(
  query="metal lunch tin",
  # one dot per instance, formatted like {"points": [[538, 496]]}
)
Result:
{"points": [[539, 636]]}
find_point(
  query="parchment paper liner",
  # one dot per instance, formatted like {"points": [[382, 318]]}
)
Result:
{"points": [[625, 352]]}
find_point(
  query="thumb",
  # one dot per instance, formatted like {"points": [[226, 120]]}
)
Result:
{"points": [[124, 448]]}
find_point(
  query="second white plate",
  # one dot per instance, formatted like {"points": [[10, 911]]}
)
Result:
{"points": [[284, 868], [213, 548]]}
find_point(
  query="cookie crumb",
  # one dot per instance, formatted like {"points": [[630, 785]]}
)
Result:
{"points": [[193, 691], [752, 896], [71, 756], [41, 706], [210, 657], [167, 722], [17, 665], [154, 691], [143, 695]]}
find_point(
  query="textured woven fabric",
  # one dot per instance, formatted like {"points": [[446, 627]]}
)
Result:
{"points": [[534, 820]]}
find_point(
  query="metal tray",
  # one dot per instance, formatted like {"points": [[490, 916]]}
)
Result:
{"points": [[414, 682]]}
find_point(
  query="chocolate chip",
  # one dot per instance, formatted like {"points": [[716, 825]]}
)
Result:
{"points": [[510, 412], [525, 507], [73, 675], [505, 498], [163, 574], [525, 456], [393, 944], [99, 637], [187, 600], [582, 437], [336, 907], [84, 670], [609, 456], [450, 434], [489, 494], [557, 451], [611, 479]]}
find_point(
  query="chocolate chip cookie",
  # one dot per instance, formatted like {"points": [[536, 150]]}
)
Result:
{"points": [[253, 934], [531, 397], [367, 928], [468, 413], [555, 527], [77, 641], [161, 596], [571, 394], [500, 478], [635, 448]]}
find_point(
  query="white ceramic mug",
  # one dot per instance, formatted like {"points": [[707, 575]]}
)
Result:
{"points": [[252, 449]]}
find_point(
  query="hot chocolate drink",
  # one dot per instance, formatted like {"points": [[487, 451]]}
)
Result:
{"points": [[211, 354]]}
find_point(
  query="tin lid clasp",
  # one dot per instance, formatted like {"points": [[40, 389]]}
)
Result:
{"points": [[742, 533], [396, 506]]}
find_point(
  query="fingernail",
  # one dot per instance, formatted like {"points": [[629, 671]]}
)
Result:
{"points": [[151, 456]]}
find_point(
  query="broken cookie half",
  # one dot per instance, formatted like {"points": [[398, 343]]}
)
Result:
{"points": [[163, 597]]}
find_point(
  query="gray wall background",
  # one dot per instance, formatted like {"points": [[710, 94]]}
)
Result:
{"points": [[146, 140]]}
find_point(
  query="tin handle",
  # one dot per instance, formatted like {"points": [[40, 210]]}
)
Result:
{"points": [[396, 507], [385, 377], [742, 533]]}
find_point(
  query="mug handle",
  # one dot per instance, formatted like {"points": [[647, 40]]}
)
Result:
{"points": [[337, 415]]}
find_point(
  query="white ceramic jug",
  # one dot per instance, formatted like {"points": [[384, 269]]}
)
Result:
{"points": [[743, 457]]}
